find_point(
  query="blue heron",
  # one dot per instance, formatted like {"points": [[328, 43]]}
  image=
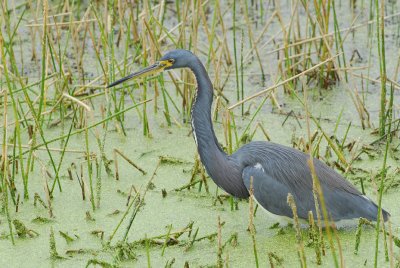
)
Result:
{"points": [[272, 170]]}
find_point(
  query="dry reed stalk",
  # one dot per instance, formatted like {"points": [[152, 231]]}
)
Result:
{"points": [[299, 239], [267, 90]]}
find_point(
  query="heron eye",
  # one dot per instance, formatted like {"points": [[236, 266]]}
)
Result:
{"points": [[171, 61]]}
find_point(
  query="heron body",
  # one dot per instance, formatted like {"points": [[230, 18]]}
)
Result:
{"points": [[272, 170]]}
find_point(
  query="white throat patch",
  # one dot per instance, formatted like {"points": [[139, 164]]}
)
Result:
{"points": [[194, 132]]}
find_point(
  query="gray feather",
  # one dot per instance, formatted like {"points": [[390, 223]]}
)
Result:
{"points": [[285, 170]]}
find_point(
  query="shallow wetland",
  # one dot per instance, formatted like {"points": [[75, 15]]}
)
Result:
{"points": [[96, 177]]}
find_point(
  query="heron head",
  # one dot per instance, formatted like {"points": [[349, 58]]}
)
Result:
{"points": [[178, 58], [173, 59]]}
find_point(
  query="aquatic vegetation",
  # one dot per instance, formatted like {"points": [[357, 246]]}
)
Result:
{"points": [[109, 177]]}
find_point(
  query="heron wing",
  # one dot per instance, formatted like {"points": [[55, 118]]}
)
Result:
{"points": [[270, 193], [278, 170]]}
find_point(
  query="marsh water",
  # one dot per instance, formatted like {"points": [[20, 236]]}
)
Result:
{"points": [[82, 234]]}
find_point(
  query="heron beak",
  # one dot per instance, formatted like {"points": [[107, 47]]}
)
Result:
{"points": [[155, 68]]}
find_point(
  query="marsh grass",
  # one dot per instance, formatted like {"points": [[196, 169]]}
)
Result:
{"points": [[299, 239], [251, 227], [56, 59]]}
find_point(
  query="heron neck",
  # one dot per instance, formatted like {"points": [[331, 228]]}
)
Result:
{"points": [[224, 170], [209, 150]]}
